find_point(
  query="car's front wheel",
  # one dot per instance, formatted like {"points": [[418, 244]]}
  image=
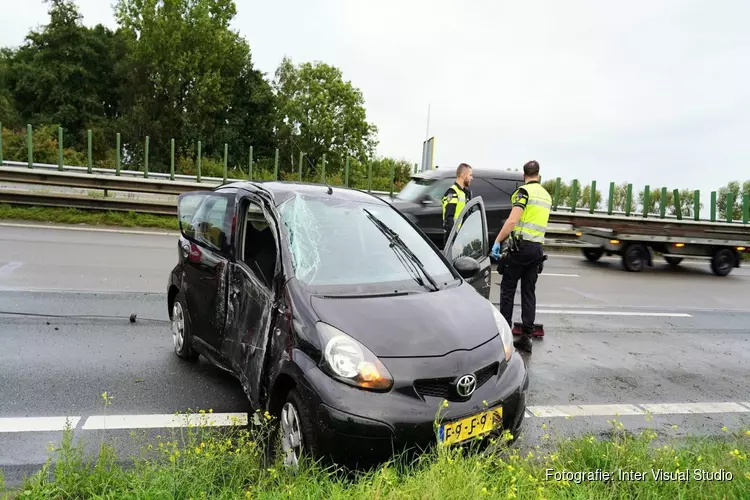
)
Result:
{"points": [[181, 336], [293, 436]]}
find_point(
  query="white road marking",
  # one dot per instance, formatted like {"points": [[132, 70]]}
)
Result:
{"points": [[560, 275], [8, 268], [584, 410], [37, 424], [90, 229], [98, 422], [682, 408], [613, 313]]}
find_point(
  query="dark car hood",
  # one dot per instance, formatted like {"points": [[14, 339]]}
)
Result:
{"points": [[425, 324]]}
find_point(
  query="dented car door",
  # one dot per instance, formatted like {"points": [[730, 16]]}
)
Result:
{"points": [[251, 295]]}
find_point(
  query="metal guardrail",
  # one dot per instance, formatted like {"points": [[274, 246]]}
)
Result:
{"points": [[107, 178]]}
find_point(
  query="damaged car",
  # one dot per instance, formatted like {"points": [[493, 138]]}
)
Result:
{"points": [[343, 320]]}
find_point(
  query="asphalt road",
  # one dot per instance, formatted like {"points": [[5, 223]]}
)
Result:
{"points": [[615, 343]]}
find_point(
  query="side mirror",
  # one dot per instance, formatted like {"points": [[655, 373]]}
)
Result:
{"points": [[466, 267]]}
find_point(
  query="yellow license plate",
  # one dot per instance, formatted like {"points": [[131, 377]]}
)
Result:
{"points": [[470, 427]]}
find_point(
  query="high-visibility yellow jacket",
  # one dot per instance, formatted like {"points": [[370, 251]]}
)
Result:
{"points": [[536, 204]]}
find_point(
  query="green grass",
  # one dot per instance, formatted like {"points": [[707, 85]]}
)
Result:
{"points": [[201, 463], [91, 217]]}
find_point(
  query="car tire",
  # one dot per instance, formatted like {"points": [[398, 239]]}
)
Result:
{"points": [[593, 254], [293, 435], [634, 258], [181, 334], [722, 262]]}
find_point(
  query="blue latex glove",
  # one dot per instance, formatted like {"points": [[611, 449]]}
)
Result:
{"points": [[496, 250]]}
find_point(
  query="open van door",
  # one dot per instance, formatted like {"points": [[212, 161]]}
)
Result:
{"points": [[467, 247]]}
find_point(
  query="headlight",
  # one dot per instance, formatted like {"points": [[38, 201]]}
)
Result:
{"points": [[504, 329], [347, 360]]}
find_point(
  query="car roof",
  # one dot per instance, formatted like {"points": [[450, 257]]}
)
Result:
{"points": [[479, 172], [284, 190]]}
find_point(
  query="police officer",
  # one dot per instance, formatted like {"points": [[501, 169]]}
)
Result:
{"points": [[526, 226], [455, 198]]}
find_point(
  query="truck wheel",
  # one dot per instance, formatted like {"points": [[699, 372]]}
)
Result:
{"points": [[673, 261], [634, 257], [593, 254], [722, 262]]}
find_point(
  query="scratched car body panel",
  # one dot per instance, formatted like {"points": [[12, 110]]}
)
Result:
{"points": [[331, 302]]}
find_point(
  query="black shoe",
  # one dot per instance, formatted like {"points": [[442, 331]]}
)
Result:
{"points": [[523, 343]]}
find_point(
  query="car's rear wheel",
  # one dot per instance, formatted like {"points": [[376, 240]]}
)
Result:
{"points": [[722, 262], [181, 336]]}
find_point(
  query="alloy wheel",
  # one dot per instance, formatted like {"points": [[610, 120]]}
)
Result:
{"points": [[291, 435], [178, 326]]}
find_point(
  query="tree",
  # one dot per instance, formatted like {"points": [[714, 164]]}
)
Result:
{"points": [[190, 77], [8, 115], [737, 193], [64, 74], [320, 113]]}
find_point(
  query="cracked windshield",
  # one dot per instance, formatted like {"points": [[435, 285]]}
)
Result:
{"points": [[335, 245], [389, 250]]}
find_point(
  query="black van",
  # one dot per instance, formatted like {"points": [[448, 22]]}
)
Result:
{"points": [[420, 198]]}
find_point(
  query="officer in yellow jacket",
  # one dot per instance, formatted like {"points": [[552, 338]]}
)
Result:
{"points": [[456, 197], [526, 225]]}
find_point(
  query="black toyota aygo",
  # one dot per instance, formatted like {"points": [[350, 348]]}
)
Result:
{"points": [[343, 320]]}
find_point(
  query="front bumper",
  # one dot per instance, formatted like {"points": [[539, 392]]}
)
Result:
{"points": [[363, 427]]}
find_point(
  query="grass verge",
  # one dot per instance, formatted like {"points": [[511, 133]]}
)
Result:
{"points": [[203, 463], [91, 217]]}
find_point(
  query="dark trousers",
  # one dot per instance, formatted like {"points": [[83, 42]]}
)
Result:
{"points": [[522, 265]]}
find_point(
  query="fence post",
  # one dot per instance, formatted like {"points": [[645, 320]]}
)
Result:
{"points": [[646, 200], [250, 164], [573, 195], [276, 165], [611, 202], [730, 206], [198, 166], [59, 148], [118, 165], [556, 194], [663, 203], [628, 200], [713, 206], [1, 144], [393, 177], [301, 158], [592, 197], [91, 160], [677, 204], [369, 176], [697, 205], [346, 172], [746, 208], [145, 160], [226, 153], [171, 160], [30, 145], [324, 168]]}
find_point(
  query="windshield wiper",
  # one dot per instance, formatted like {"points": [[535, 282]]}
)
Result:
{"points": [[397, 243]]}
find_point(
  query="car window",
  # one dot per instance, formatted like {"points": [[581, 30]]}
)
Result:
{"points": [[469, 240], [210, 224], [258, 244], [334, 243], [506, 186], [488, 192], [417, 188]]}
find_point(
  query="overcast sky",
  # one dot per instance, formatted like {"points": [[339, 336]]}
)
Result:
{"points": [[646, 92]]}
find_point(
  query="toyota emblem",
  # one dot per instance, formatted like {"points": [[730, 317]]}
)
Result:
{"points": [[466, 385]]}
